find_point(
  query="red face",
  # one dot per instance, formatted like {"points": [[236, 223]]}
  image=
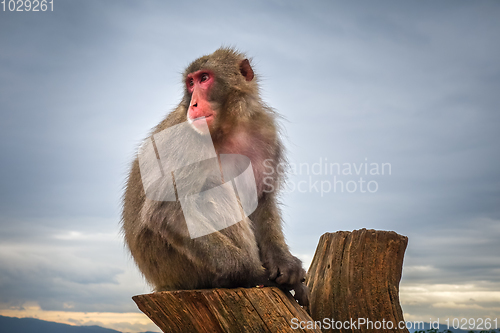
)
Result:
{"points": [[198, 85]]}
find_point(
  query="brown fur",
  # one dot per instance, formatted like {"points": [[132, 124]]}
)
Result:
{"points": [[248, 253]]}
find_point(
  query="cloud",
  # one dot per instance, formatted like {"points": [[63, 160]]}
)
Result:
{"points": [[411, 84], [123, 322], [425, 301], [68, 270]]}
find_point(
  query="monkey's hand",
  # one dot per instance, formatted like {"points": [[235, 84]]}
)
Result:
{"points": [[286, 270], [301, 294]]}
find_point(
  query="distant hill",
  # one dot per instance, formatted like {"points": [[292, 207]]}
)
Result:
{"points": [[31, 325]]}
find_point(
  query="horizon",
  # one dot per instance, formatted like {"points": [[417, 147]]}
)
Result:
{"points": [[413, 85]]}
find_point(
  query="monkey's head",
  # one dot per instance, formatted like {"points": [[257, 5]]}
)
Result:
{"points": [[219, 87]]}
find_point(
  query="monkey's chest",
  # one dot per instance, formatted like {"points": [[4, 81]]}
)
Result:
{"points": [[255, 152]]}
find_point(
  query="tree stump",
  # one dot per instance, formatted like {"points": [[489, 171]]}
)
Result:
{"points": [[223, 310], [356, 275]]}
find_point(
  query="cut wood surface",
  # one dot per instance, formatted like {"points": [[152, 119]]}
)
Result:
{"points": [[223, 310], [356, 275]]}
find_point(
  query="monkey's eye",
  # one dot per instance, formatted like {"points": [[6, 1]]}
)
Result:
{"points": [[191, 82], [204, 77]]}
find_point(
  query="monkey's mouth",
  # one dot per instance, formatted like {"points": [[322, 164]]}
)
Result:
{"points": [[208, 118], [199, 123], [203, 117]]}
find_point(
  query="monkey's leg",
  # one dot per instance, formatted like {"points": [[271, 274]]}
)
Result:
{"points": [[233, 255], [225, 258]]}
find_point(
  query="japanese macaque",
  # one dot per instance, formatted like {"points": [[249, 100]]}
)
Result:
{"points": [[221, 102]]}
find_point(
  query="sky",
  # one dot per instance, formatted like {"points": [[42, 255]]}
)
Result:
{"points": [[408, 88]]}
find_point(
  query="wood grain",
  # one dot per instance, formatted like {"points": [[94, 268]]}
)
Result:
{"points": [[223, 310], [356, 275]]}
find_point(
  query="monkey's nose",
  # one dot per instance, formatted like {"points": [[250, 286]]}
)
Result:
{"points": [[195, 105]]}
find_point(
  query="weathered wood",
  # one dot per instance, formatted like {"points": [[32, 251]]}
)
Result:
{"points": [[223, 310], [356, 275]]}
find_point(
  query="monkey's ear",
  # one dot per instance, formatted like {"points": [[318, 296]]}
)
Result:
{"points": [[246, 70]]}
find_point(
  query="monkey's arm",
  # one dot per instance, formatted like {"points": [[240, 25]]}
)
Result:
{"points": [[283, 267]]}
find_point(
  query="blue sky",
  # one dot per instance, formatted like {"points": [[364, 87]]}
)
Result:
{"points": [[413, 84]]}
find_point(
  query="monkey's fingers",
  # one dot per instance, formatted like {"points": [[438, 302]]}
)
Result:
{"points": [[291, 275], [301, 294], [285, 277], [274, 272]]}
